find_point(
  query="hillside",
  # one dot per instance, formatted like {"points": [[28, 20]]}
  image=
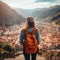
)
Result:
{"points": [[55, 19], [46, 12], [9, 15]]}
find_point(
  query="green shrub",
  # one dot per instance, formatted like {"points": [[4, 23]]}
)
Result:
{"points": [[8, 48]]}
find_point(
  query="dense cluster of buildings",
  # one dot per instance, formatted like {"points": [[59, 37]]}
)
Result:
{"points": [[50, 36]]}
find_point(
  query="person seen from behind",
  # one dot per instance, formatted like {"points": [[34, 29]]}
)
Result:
{"points": [[30, 39]]}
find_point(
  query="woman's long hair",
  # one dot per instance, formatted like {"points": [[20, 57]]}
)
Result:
{"points": [[26, 25]]}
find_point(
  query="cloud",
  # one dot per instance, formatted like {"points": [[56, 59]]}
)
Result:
{"points": [[19, 3], [31, 4], [45, 1]]}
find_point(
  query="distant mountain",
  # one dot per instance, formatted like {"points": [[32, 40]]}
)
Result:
{"points": [[55, 19], [20, 11], [46, 12], [39, 13], [51, 14], [9, 15], [25, 12]]}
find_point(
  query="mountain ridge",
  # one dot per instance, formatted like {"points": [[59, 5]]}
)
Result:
{"points": [[9, 15]]}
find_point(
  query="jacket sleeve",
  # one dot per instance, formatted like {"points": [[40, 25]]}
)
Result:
{"points": [[22, 37], [38, 36]]}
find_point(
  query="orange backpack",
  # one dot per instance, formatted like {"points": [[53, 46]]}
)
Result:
{"points": [[30, 44]]}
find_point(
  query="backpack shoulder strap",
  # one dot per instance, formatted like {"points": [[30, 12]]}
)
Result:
{"points": [[25, 31], [34, 31]]}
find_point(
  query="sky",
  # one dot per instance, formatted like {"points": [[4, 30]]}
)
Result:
{"points": [[31, 4]]}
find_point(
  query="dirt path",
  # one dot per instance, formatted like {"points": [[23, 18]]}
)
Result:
{"points": [[21, 57]]}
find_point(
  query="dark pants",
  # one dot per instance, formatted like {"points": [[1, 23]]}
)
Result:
{"points": [[27, 56]]}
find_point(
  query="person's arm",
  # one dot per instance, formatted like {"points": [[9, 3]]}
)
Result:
{"points": [[38, 36], [21, 37]]}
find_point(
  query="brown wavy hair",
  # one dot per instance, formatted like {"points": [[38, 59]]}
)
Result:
{"points": [[26, 26]]}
